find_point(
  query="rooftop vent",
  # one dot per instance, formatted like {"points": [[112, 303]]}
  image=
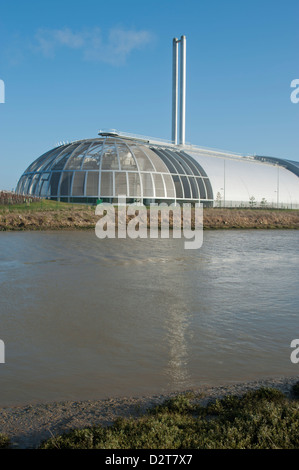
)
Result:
{"points": [[108, 132]]}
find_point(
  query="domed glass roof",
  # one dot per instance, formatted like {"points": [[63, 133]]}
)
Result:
{"points": [[110, 166]]}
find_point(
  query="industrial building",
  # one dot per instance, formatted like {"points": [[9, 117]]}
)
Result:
{"points": [[147, 170]]}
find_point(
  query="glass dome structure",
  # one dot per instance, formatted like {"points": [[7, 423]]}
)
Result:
{"points": [[111, 166]]}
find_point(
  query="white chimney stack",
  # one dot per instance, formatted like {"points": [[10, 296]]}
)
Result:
{"points": [[175, 74], [175, 78]]}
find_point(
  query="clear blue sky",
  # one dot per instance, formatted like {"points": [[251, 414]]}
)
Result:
{"points": [[72, 67]]}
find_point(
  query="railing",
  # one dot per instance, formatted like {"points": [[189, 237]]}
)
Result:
{"points": [[255, 205]]}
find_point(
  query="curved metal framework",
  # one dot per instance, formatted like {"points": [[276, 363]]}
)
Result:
{"points": [[288, 164], [108, 167]]}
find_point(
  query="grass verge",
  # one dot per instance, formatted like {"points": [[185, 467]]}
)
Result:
{"points": [[43, 205], [262, 419], [4, 442], [54, 215]]}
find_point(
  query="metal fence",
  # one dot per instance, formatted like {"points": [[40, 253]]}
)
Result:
{"points": [[255, 205]]}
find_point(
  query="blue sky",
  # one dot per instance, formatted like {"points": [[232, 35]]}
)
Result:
{"points": [[73, 67]]}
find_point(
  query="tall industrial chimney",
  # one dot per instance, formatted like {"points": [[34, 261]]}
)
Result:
{"points": [[183, 91], [175, 75]]}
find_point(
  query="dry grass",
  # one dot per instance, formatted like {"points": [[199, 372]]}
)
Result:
{"points": [[50, 215]]}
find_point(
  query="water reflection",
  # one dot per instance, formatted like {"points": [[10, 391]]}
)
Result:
{"points": [[85, 318], [177, 327]]}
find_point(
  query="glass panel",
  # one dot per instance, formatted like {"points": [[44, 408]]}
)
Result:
{"points": [[38, 162], [127, 161], [194, 187], [66, 183], [44, 188], [202, 189], [54, 181], [198, 166], [147, 185], [47, 163], [156, 161], [92, 185], [92, 162], [183, 163], [178, 187], [174, 160], [120, 184], [27, 184], [209, 188], [92, 158], [20, 185], [169, 186], [32, 185], [37, 187], [167, 162], [159, 186], [43, 176], [142, 160], [190, 162], [75, 161], [35, 180], [106, 184], [45, 160], [134, 185], [109, 158], [60, 161], [186, 187], [78, 183]]}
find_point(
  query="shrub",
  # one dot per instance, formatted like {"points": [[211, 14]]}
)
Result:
{"points": [[259, 419], [4, 442]]}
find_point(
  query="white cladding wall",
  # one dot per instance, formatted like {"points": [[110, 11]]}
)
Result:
{"points": [[243, 179]]}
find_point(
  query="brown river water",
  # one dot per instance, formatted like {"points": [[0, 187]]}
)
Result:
{"points": [[83, 318]]}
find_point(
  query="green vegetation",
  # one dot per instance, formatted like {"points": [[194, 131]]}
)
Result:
{"points": [[261, 419], [42, 205], [4, 442], [42, 214], [295, 390]]}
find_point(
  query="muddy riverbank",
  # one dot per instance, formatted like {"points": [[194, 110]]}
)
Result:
{"points": [[75, 218]]}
